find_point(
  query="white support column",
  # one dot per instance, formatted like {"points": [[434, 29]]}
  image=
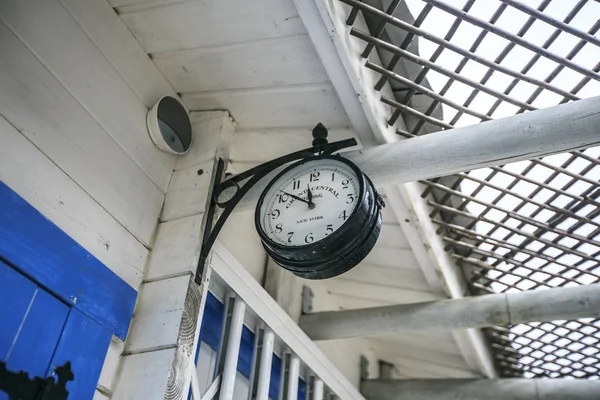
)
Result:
{"points": [[471, 312], [293, 374], [233, 349], [318, 389], [163, 338], [525, 136], [266, 359], [478, 389]]}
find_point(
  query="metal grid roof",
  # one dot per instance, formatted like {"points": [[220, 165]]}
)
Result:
{"points": [[523, 226]]}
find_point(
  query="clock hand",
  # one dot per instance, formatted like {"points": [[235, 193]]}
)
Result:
{"points": [[296, 197], [311, 205]]}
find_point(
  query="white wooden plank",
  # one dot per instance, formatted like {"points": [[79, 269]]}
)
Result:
{"points": [[421, 369], [392, 236], [436, 340], [390, 294], [440, 271], [158, 315], [70, 55], [42, 109], [388, 276], [239, 235], [325, 22], [176, 248], [423, 354], [267, 144], [213, 133], [188, 192], [27, 171], [194, 24], [345, 354], [117, 3], [286, 60], [350, 302], [151, 368], [301, 106], [392, 257], [125, 53], [110, 367], [236, 276]]}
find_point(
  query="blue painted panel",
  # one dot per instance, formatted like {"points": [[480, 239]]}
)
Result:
{"points": [[16, 291], [36, 341], [84, 343], [275, 382], [212, 322], [55, 261]]}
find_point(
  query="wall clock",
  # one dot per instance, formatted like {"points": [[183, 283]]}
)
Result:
{"points": [[319, 217]]}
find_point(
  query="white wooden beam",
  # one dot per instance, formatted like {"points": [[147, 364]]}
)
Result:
{"points": [[534, 134], [470, 312], [476, 389], [338, 51], [441, 272]]}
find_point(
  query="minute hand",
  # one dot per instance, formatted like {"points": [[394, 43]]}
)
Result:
{"points": [[293, 196]]}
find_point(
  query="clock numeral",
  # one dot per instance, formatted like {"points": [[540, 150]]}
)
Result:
{"points": [[345, 184], [350, 198], [329, 230], [332, 176], [275, 213], [296, 185], [278, 228], [309, 238], [314, 176], [290, 234], [343, 215], [283, 198]]}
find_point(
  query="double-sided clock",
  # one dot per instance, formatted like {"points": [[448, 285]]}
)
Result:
{"points": [[319, 217]]}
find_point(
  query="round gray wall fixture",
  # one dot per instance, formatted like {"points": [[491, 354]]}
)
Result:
{"points": [[169, 126]]}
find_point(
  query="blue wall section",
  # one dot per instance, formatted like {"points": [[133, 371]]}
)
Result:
{"points": [[56, 262]]}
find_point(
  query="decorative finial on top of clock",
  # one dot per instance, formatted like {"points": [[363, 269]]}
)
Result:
{"points": [[319, 135]]}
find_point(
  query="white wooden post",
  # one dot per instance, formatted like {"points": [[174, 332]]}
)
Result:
{"points": [[233, 349], [318, 389], [471, 312], [163, 337], [521, 137], [477, 389], [266, 360], [293, 374]]}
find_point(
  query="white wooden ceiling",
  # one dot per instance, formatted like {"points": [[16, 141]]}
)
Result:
{"points": [[256, 60]]}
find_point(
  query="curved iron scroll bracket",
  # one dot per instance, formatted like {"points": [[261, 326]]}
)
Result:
{"points": [[242, 183]]}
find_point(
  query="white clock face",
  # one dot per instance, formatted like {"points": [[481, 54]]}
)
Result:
{"points": [[309, 202]]}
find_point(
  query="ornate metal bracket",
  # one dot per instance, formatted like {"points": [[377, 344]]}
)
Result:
{"points": [[235, 188]]}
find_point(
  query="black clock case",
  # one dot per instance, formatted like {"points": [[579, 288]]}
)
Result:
{"points": [[340, 251]]}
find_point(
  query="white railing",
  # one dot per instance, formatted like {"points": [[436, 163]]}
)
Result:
{"points": [[246, 302]]}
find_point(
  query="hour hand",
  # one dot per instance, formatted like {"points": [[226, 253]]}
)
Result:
{"points": [[293, 196], [311, 205]]}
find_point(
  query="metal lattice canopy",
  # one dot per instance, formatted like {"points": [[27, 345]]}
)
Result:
{"points": [[523, 226]]}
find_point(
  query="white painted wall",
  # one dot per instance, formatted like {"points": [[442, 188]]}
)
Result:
{"points": [[75, 87]]}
